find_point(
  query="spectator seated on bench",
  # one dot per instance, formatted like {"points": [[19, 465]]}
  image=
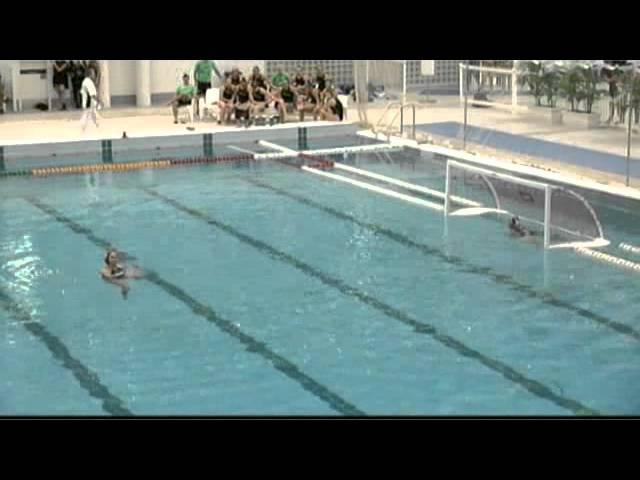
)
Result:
{"points": [[331, 108], [257, 79], [236, 77], [262, 100], [243, 103], [185, 94], [279, 80], [285, 101], [299, 81], [307, 101], [226, 101]]}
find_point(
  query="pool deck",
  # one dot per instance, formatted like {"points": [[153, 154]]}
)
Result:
{"points": [[609, 142], [56, 127]]}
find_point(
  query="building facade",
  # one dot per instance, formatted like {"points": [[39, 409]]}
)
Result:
{"points": [[153, 82], [445, 78]]}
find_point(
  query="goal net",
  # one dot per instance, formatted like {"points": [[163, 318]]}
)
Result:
{"points": [[559, 215], [496, 84]]}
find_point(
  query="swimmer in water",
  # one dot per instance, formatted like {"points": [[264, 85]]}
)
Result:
{"points": [[117, 273], [516, 228], [529, 236]]}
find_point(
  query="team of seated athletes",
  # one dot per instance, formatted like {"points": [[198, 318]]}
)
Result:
{"points": [[243, 100]]}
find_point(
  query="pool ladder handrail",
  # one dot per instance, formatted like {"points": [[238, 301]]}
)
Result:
{"points": [[389, 127]]}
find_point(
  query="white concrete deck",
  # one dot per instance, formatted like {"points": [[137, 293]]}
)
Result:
{"points": [[49, 127]]}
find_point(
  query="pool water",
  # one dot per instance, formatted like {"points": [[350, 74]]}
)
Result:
{"points": [[272, 291]]}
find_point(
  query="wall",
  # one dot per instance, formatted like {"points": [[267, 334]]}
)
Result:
{"points": [[32, 87], [446, 71], [5, 73], [122, 77], [165, 74], [244, 65]]}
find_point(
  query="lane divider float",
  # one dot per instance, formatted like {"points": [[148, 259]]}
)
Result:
{"points": [[605, 257]]}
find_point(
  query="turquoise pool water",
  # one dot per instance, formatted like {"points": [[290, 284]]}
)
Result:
{"points": [[272, 291]]}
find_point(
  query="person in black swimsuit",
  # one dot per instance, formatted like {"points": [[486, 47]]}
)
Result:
{"points": [[299, 81], [261, 98], [331, 109], [243, 102], [307, 102], [257, 79], [285, 101], [517, 229], [225, 104], [117, 273], [236, 77], [78, 69], [61, 80], [320, 82]]}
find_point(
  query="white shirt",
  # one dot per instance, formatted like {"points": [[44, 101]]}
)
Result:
{"points": [[88, 90]]}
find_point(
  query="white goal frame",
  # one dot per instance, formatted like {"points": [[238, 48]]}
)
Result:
{"points": [[545, 187]]}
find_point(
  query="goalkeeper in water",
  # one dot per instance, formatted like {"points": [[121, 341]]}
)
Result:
{"points": [[517, 230]]}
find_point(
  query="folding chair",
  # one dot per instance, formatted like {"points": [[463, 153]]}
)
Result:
{"points": [[209, 104]]}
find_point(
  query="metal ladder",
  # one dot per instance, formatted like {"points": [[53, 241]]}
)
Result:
{"points": [[387, 128]]}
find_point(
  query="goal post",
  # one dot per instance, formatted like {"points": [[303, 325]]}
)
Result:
{"points": [[562, 217], [489, 86]]}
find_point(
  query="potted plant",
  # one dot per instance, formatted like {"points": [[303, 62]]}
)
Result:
{"points": [[635, 96], [589, 87], [579, 86], [570, 87], [550, 85], [533, 77], [630, 93]]}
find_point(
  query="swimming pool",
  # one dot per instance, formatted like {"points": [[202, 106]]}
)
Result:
{"points": [[272, 291]]}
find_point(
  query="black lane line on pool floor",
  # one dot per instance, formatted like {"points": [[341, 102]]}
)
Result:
{"points": [[280, 363], [463, 265], [87, 379], [531, 385]]}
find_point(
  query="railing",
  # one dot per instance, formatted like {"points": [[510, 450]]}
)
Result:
{"points": [[400, 112]]}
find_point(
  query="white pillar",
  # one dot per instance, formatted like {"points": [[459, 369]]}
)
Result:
{"points": [[461, 66], [49, 67], [16, 93], [143, 83], [514, 87], [447, 189], [547, 216], [404, 83], [366, 77], [105, 89]]}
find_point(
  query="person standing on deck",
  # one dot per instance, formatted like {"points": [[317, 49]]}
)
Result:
{"points": [[61, 80], [89, 99], [202, 75], [78, 70]]}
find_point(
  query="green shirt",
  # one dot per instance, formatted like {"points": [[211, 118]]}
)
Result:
{"points": [[279, 80], [187, 90], [203, 71]]}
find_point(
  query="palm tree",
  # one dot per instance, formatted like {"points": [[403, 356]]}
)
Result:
{"points": [[589, 86], [533, 77], [551, 85], [635, 96], [630, 94], [570, 87]]}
